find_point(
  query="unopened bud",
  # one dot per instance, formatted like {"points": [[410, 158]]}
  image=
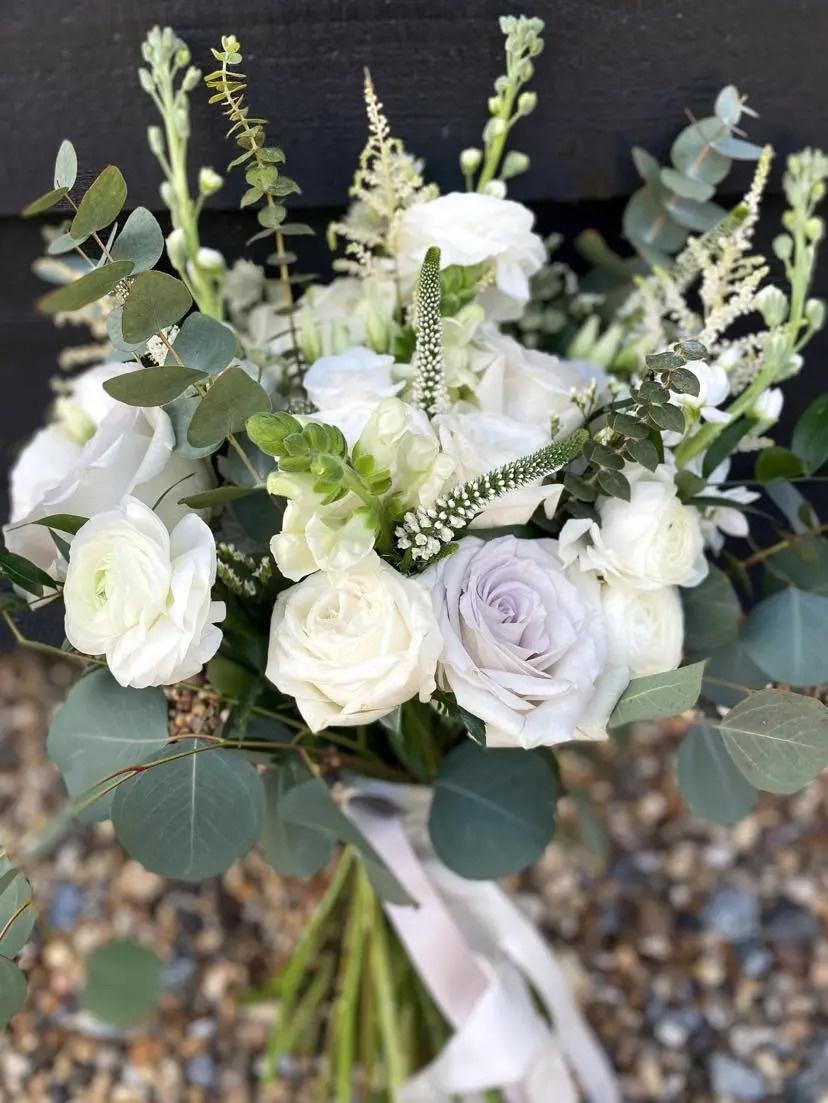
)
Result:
{"points": [[191, 79], [155, 140], [782, 246], [210, 260], [772, 304], [209, 181], [527, 102], [177, 249], [514, 164], [470, 160], [815, 313]]}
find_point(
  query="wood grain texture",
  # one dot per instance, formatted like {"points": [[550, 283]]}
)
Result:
{"points": [[614, 73]]}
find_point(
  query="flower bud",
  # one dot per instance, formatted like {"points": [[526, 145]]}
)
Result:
{"points": [[210, 260], [177, 249], [496, 188], [191, 79], [767, 407], [470, 160], [167, 193], [514, 164], [155, 140], [772, 304], [814, 228], [209, 181], [527, 102], [782, 246], [494, 104], [146, 81], [815, 313]]}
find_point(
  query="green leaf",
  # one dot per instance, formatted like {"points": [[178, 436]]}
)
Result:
{"points": [[310, 805], [684, 381], [115, 333], [151, 386], [140, 241], [219, 496], [778, 740], [712, 613], [193, 816], [44, 202], [204, 343], [101, 204], [63, 522], [614, 484], [777, 463], [803, 563], [155, 301], [731, 674], [786, 636], [88, 289], [180, 412], [693, 155], [643, 452], [14, 892], [123, 982], [668, 417], [810, 435], [230, 401], [725, 443], [292, 849], [25, 574], [12, 991], [66, 165], [493, 811], [103, 727], [657, 696], [709, 780]]}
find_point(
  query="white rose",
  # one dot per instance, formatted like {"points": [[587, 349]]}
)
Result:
{"points": [[140, 595], [524, 643], [651, 541], [401, 440], [478, 443], [645, 628], [350, 647], [533, 387], [347, 387], [470, 229], [98, 451]]}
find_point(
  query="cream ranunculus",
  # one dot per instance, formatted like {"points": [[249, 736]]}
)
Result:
{"points": [[352, 646], [645, 628], [141, 595], [96, 452], [652, 540], [470, 229], [347, 387], [524, 642]]}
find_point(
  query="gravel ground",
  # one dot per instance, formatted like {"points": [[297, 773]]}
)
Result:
{"points": [[700, 954]]}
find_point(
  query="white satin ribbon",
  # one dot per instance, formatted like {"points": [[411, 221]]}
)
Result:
{"points": [[475, 952]]}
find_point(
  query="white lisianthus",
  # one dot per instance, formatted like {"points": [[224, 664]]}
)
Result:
{"points": [[96, 452], [652, 540], [477, 443], [401, 440], [347, 387], [645, 628], [351, 647], [141, 595], [524, 642], [317, 536], [767, 408], [471, 229], [723, 520]]}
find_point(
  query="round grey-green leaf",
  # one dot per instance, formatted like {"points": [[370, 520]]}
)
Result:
{"points": [[193, 816], [292, 849], [230, 401], [101, 203], [151, 386], [88, 289], [140, 241], [180, 412], [102, 727], [785, 635], [155, 301], [66, 165], [12, 991], [712, 612], [123, 982], [15, 890], [493, 811], [657, 696], [708, 777], [203, 343]]}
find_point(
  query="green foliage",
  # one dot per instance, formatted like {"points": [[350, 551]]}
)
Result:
{"points": [[292, 849], [803, 563], [12, 991], [493, 811], [730, 674], [25, 574], [44, 202], [17, 917], [232, 399], [88, 289], [155, 301], [203, 343], [192, 816], [218, 496], [123, 982], [152, 386], [101, 728], [774, 463], [66, 165], [712, 613], [180, 412], [63, 522], [657, 696], [676, 200], [810, 435], [708, 778], [778, 740], [140, 241], [101, 203], [785, 636]]}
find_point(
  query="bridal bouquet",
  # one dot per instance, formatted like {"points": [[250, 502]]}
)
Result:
{"points": [[408, 535]]}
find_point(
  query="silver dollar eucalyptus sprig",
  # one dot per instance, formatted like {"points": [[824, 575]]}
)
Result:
{"points": [[426, 531], [429, 391]]}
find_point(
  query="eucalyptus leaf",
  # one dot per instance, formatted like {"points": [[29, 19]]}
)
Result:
{"points": [[230, 401], [101, 203], [657, 696], [123, 982], [694, 156], [15, 890], [151, 386], [66, 165], [44, 202], [802, 563], [810, 435], [292, 849], [88, 289], [63, 243], [141, 240], [193, 816], [731, 674], [180, 412], [203, 343], [12, 991], [777, 463], [708, 778], [778, 740], [686, 186], [785, 635], [712, 613], [155, 301], [493, 811], [102, 727], [114, 330]]}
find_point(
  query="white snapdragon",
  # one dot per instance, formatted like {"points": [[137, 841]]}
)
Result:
{"points": [[401, 440], [352, 646], [141, 595], [652, 540], [472, 229]]}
